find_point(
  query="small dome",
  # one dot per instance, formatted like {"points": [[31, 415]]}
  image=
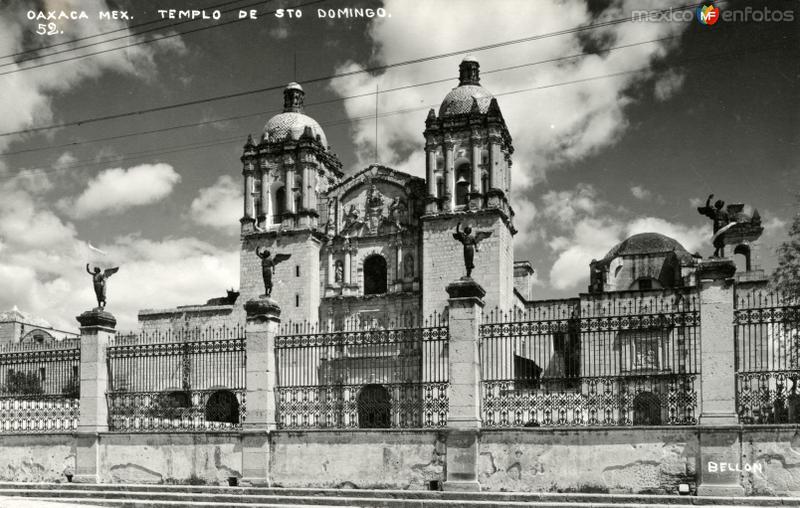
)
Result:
{"points": [[293, 124], [459, 100], [644, 244]]}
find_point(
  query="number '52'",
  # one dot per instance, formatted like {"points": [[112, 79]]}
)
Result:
{"points": [[48, 29]]}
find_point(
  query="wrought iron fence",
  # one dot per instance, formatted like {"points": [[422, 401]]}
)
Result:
{"points": [[767, 329], [177, 381], [611, 359], [392, 378], [39, 386]]}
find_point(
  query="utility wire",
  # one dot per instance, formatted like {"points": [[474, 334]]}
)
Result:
{"points": [[138, 43], [332, 76], [706, 58], [337, 99], [100, 34]]}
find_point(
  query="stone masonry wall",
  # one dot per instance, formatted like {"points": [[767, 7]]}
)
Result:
{"points": [[443, 260], [357, 459], [202, 458], [588, 460], [777, 451], [297, 295], [37, 457]]}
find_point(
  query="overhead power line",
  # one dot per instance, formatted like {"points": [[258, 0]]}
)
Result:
{"points": [[705, 58], [139, 43], [337, 99], [333, 76], [100, 34]]}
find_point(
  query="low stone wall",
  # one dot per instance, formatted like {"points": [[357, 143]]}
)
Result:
{"points": [[193, 458], [637, 460], [772, 456], [37, 457], [357, 459]]}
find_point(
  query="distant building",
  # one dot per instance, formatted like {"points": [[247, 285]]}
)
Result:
{"points": [[17, 327]]}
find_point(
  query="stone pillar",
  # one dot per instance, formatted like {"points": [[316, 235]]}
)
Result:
{"points": [[248, 193], [719, 435], [475, 191], [97, 329], [495, 159], [398, 274], [449, 176], [347, 266], [290, 189], [331, 268], [464, 418], [263, 317], [265, 197], [430, 168]]}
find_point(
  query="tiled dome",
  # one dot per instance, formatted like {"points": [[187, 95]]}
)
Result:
{"points": [[647, 243], [293, 124], [459, 100]]}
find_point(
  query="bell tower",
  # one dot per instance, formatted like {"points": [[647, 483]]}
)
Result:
{"points": [[285, 178], [468, 153]]}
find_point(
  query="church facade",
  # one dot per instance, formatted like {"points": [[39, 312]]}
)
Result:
{"points": [[374, 248]]}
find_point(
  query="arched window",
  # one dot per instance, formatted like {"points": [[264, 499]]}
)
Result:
{"points": [[222, 406], [374, 408], [744, 251], [646, 283], [279, 206], [374, 275], [462, 184], [646, 409]]}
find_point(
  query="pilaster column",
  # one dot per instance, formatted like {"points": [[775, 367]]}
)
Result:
{"points": [[465, 308], [719, 437], [97, 329], [449, 175], [248, 192], [306, 189], [495, 163], [290, 187], [430, 168], [263, 317], [475, 197], [399, 267], [347, 266], [265, 196], [331, 270]]}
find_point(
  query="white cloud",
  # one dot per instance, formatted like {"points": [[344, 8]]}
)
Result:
{"points": [[550, 126], [590, 227], [640, 192], [220, 205], [116, 190], [27, 96], [43, 260], [667, 84]]}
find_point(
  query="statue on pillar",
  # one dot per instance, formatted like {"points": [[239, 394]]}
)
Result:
{"points": [[99, 281], [721, 220], [470, 243], [268, 263]]}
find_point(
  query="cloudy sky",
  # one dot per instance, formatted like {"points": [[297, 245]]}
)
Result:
{"points": [[619, 129]]}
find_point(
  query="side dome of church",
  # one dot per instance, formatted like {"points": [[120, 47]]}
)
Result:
{"points": [[292, 123], [641, 262]]}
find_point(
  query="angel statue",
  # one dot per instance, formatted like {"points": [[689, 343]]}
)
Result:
{"points": [[470, 243], [99, 279], [268, 263], [722, 222]]}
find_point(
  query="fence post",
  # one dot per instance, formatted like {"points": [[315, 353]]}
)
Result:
{"points": [[97, 328], [263, 317], [464, 419], [718, 434]]}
